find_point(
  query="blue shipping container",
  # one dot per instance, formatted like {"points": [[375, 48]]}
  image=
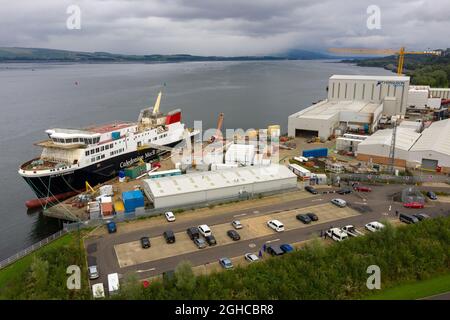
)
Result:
{"points": [[132, 200], [315, 153]]}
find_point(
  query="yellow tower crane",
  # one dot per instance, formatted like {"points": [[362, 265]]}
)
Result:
{"points": [[401, 54]]}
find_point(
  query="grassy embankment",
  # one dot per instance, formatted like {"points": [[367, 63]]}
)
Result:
{"points": [[42, 274]]}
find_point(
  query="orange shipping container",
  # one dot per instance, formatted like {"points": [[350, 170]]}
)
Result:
{"points": [[107, 209]]}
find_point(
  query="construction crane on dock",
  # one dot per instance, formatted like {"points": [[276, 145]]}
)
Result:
{"points": [[401, 54], [218, 134]]}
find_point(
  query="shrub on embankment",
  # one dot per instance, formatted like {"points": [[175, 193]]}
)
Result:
{"points": [[407, 253]]}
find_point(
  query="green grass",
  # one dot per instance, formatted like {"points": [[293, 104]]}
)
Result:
{"points": [[415, 290], [18, 268]]}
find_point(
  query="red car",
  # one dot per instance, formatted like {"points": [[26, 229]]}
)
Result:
{"points": [[363, 189], [414, 205]]}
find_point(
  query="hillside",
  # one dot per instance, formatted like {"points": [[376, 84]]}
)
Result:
{"points": [[423, 69], [13, 54]]}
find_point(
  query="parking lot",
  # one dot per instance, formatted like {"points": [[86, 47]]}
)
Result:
{"points": [[131, 253]]}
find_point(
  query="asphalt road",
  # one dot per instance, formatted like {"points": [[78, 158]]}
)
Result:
{"points": [[378, 205]]}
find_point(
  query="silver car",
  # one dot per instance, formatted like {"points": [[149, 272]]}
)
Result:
{"points": [[93, 272], [200, 243], [251, 257], [236, 224]]}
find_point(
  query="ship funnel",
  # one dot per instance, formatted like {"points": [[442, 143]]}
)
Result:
{"points": [[158, 101]]}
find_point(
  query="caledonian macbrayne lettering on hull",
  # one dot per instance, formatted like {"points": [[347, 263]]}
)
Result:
{"points": [[129, 162]]}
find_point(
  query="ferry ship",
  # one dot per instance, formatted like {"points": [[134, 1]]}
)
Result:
{"points": [[72, 157]]}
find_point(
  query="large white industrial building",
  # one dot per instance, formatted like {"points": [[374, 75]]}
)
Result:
{"points": [[203, 187], [354, 102], [428, 150]]}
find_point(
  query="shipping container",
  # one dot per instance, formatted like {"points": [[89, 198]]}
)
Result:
{"points": [[299, 171], [135, 171], [119, 207], [107, 208], [132, 200], [315, 153]]}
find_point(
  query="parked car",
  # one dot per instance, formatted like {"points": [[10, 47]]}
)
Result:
{"points": [[311, 189], [336, 234], [145, 243], [226, 263], [251, 257], [275, 225], [211, 240], [287, 248], [352, 231], [303, 218], [234, 235], [313, 216], [200, 243], [274, 250], [93, 272], [339, 202], [169, 236], [204, 230], [406, 218], [193, 233], [431, 195], [236, 224], [363, 189], [374, 226], [413, 205], [344, 191], [169, 216], [111, 227], [421, 216]]}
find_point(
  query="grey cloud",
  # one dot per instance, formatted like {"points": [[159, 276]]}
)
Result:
{"points": [[232, 27]]}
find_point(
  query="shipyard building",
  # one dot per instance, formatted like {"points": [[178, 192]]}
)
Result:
{"points": [[354, 103], [210, 186], [429, 149]]}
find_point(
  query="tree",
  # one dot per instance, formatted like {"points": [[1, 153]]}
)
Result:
{"points": [[184, 277]]}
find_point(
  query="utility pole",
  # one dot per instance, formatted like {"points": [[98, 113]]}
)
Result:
{"points": [[392, 149]]}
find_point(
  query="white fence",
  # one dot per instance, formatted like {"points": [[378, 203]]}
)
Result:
{"points": [[31, 249]]}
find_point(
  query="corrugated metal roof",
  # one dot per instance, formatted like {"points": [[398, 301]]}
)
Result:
{"points": [[361, 77], [202, 181], [436, 137], [327, 109], [405, 138]]}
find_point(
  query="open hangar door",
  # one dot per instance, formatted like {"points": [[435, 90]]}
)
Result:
{"points": [[429, 164], [306, 133]]}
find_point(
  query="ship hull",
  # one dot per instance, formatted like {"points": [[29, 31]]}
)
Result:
{"points": [[97, 173]]}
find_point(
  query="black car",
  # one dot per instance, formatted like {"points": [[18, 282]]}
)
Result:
{"points": [[211, 240], [169, 236], [233, 235], [303, 218], [193, 233], [421, 216], [311, 189], [274, 250], [145, 242], [344, 191], [431, 195], [406, 218], [313, 216]]}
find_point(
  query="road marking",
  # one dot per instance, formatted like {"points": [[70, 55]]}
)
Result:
{"points": [[316, 200], [240, 215], [390, 207], [363, 203], [270, 241], [385, 214], [256, 211], [151, 269], [252, 245]]}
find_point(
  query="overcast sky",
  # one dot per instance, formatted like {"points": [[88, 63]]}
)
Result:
{"points": [[223, 27]]}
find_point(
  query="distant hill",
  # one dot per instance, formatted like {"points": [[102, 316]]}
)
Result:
{"points": [[423, 69], [15, 54], [297, 54]]}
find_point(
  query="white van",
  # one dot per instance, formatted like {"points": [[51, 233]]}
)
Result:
{"points": [[275, 225], [337, 234], [339, 202], [113, 283], [204, 230]]}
